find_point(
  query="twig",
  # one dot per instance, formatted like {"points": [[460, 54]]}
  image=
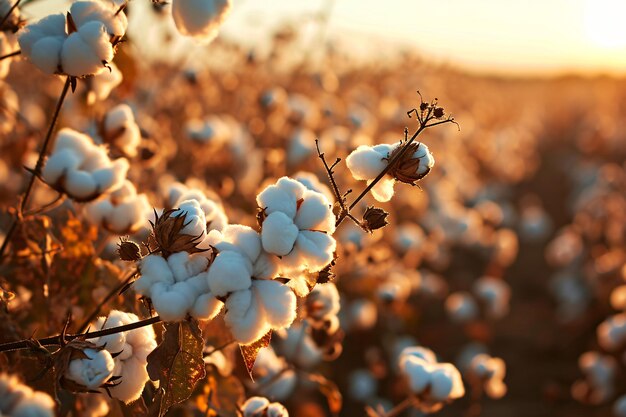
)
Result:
{"points": [[59, 339], [37, 171], [115, 291], [6, 16], [11, 54]]}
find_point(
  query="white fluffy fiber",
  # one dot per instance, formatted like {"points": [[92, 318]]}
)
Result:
{"points": [[490, 371], [120, 126], [19, 400], [84, 52], [298, 347], [81, 168], [366, 162], [178, 286], [121, 212], [273, 378], [495, 295], [310, 181], [298, 227], [133, 347], [461, 307], [323, 301], [200, 18], [94, 370], [101, 85], [612, 332], [438, 382], [261, 407], [214, 214]]}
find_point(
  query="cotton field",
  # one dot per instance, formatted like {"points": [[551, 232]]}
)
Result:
{"points": [[285, 230]]}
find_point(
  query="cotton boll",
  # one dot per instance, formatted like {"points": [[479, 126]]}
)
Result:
{"points": [[315, 213], [323, 301], [101, 85], [297, 346], [17, 399], [200, 18], [104, 12], [255, 407], [206, 307], [301, 146], [229, 272], [461, 307], [46, 54], [383, 190], [134, 377], [273, 198], [278, 301], [92, 371], [279, 234], [418, 372], [362, 385], [120, 128], [446, 383], [86, 51], [365, 163], [495, 293], [246, 324], [41, 42], [59, 164], [172, 302], [277, 410], [80, 184]]}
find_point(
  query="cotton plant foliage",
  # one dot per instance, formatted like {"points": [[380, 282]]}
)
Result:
{"points": [[297, 226], [82, 169], [78, 44]]}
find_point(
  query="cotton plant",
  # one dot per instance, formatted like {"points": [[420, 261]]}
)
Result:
{"points": [[200, 19], [490, 297], [120, 129], [100, 86], [297, 226], [130, 350], [81, 169], [78, 44], [19, 400], [489, 372], [262, 407], [432, 383], [121, 212], [92, 369], [367, 162]]}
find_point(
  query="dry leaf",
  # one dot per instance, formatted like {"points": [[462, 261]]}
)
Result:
{"points": [[250, 351]]}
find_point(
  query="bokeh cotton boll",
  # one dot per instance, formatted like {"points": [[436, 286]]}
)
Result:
{"points": [[19, 400], [122, 212], [200, 19]]}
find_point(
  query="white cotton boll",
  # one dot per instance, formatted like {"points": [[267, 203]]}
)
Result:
{"points": [[363, 314], [50, 26], [314, 250], [495, 293], [600, 369], [38, 404], [206, 307], [279, 234], [418, 372], [153, 268], [229, 272], [277, 410], [298, 347], [59, 163], [278, 301], [612, 332], [246, 326], [323, 301], [134, 377], [80, 184], [101, 85], [461, 307], [315, 213], [86, 51], [172, 302], [619, 407], [93, 371], [195, 219], [120, 125], [301, 146], [46, 54], [419, 352], [362, 385], [275, 199], [17, 399], [97, 211], [255, 406], [446, 383], [365, 163], [104, 12], [383, 190], [246, 239], [200, 18]]}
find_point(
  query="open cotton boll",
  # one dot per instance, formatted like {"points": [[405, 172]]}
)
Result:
{"points": [[491, 372], [247, 323], [298, 347], [273, 377], [132, 349], [121, 212], [104, 12], [215, 216], [93, 371], [101, 85], [366, 162], [446, 383], [229, 272], [121, 129], [277, 410], [86, 51], [278, 301], [612, 332], [495, 293], [200, 18], [461, 307], [195, 218], [41, 42], [301, 146], [279, 234], [383, 190], [19, 400], [323, 301]]}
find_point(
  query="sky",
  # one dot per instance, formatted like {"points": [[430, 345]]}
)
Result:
{"points": [[494, 36]]}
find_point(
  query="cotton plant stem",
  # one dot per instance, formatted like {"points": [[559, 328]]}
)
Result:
{"points": [[400, 408], [10, 54], [60, 339], [37, 171]]}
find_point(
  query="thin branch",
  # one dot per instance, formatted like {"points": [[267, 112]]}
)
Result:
{"points": [[37, 171], [59, 339], [11, 54], [9, 13]]}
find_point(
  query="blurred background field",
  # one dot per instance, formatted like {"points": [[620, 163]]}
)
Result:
{"points": [[531, 189]]}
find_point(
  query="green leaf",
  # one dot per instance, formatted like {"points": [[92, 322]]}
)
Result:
{"points": [[177, 364]]}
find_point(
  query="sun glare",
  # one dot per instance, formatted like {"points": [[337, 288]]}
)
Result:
{"points": [[605, 23]]}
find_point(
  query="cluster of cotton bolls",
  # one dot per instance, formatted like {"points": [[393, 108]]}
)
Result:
{"points": [[19, 400], [121, 212], [81, 169], [83, 43], [432, 382], [130, 348], [366, 162], [262, 407], [489, 372], [489, 294], [600, 373]]}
